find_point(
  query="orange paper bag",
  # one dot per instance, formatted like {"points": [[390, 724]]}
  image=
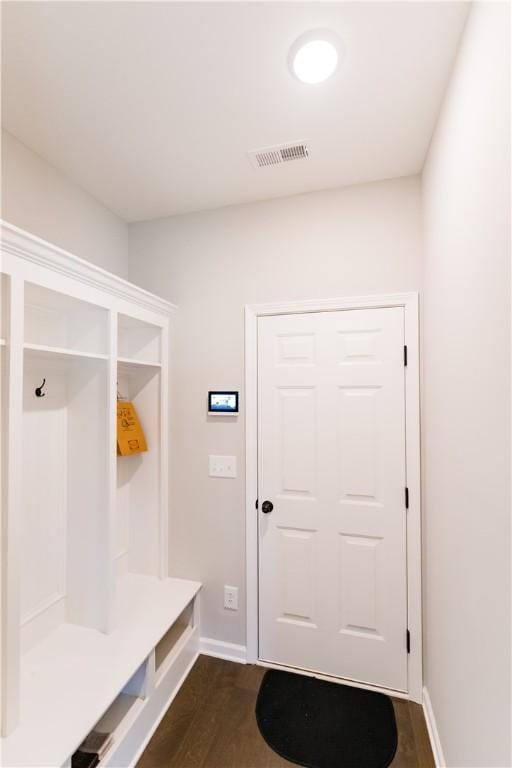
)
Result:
{"points": [[130, 437]]}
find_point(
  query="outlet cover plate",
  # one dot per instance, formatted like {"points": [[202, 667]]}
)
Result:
{"points": [[230, 598]]}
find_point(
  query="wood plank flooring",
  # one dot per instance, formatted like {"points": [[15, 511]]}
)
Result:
{"points": [[211, 724]]}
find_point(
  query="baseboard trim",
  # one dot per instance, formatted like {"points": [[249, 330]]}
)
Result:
{"points": [[433, 733], [222, 650]]}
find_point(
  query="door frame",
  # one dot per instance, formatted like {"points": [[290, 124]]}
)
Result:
{"points": [[410, 304]]}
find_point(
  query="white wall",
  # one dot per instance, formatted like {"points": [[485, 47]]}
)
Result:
{"points": [[466, 416], [38, 198], [355, 241]]}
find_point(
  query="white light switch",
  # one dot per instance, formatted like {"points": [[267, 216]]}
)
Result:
{"points": [[222, 466]]}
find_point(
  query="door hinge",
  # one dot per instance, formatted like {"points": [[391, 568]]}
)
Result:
{"points": [[405, 355], [408, 641], [256, 503], [407, 498]]}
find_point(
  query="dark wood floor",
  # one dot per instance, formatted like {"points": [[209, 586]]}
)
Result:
{"points": [[211, 724]]}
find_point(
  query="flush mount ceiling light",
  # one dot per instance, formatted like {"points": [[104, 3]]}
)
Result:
{"points": [[314, 57]]}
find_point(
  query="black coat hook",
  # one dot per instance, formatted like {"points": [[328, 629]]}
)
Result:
{"points": [[39, 390]]}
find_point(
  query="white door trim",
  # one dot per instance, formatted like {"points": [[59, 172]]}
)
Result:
{"points": [[409, 301]]}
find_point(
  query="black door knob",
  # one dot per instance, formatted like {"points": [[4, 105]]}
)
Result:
{"points": [[267, 507]]}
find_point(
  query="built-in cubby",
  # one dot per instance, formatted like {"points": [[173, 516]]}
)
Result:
{"points": [[64, 499], [138, 341], [170, 642], [139, 477], [121, 714], [57, 321], [88, 610], [118, 718]]}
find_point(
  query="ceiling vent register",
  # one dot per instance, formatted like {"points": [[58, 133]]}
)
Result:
{"points": [[281, 153]]}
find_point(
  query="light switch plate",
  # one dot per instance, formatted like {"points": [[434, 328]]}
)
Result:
{"points": [[222, 466]]}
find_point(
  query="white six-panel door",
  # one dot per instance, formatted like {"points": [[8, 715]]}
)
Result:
{"points": [[331, 448]]}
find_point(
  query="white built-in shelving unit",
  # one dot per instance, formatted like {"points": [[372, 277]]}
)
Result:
{"points": [[94, 632]]}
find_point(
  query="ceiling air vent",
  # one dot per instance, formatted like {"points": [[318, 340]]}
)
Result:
{"points": [[281, 153]]}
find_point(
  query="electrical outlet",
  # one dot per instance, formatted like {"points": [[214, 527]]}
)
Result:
{"points": [[231, 598]]}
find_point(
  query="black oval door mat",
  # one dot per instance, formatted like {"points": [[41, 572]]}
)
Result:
{"points": [[318, 724]]}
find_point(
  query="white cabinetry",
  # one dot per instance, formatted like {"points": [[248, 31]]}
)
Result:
{"points": [[87, 606]]}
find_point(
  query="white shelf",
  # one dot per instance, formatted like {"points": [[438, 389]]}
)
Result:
{"points": [[70, 680], [43, 352], [130, 362]]}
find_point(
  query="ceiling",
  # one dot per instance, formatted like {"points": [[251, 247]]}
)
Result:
{"points": [[152, 106]]}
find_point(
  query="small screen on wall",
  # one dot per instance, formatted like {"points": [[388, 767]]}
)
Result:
{"points": [[223, 402]]}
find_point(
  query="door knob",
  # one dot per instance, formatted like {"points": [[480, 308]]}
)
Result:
{"points": [[267, 507]]}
